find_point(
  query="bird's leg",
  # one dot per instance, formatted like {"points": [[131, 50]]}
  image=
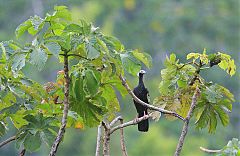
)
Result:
{"points": [[136, 118]]}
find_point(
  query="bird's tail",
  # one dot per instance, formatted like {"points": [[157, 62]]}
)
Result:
{"points": [[143, 125]]}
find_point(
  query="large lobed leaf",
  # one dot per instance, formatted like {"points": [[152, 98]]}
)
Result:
{"points": [[38, 57]]}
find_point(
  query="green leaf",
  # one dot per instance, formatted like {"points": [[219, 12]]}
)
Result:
{"points": [[223, 64], [57, 28], [113, 43], [22, 28], [226, 93], [18, 62], [92, 111], [73, 28], [222, 115], [164, 87], [91, 82], [32, 142], [48, 137], [3, 54], [182, 84], [92, 52], [193, 55], [130, 63], [77, 89], [86, 27], [212, 122], [20, 139], [61, 12], [60, 7], [37, 24], [227, 104], [172, 58], [17, 120], [33, 25], [231, 149], [2, 129], [38, 58], [203, 119], [54, 48], [227, 63], [212, 94], [112, 101], [143, 57]]}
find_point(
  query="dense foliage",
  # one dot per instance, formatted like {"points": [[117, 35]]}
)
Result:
{"points": [[75, 119], [97, 60]]}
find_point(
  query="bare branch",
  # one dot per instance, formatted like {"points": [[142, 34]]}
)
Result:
{"points": [[124, 83], [123, 146], [99, 135], [186, 122], [106, 140], [129, 123], [209, 151], [115, 120], [8, 141], [65, 111], [22, 153]]}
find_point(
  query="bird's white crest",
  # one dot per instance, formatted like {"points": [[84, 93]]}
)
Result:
{"points": [[141, 72]]}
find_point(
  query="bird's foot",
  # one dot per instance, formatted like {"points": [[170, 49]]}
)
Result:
{"points": [[136, 119]]}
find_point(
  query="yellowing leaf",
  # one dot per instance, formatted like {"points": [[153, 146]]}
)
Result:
{"points": [[79, 125], [227, 63], [18, 120], [231, 67], [193, 55], [143, 57], [223, 64]]}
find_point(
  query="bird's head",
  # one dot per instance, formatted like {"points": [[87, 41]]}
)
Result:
{"points": [[141, 73]]}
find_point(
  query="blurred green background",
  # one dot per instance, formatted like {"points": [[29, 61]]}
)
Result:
{"points": [[157, 27]]}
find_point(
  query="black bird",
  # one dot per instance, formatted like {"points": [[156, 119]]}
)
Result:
{"points": [[142, 93]]}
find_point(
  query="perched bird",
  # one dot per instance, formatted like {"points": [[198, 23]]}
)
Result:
{"points": [[142, 93]]}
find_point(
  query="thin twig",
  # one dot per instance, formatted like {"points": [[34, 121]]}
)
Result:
{"points": [[186, 122], [122, 141], [8, 141], [124, 83], [65, 111], [98, 145], [129, 123], [209, 151]]}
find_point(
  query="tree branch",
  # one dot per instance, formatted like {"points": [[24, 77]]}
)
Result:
{"points": [[106, 140], [115, 120], [98, 145], [8, 141], [122, 141], [209, 151], [22, 153], [132, 122], [66, 107], [124, 83], [186, 122]]}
